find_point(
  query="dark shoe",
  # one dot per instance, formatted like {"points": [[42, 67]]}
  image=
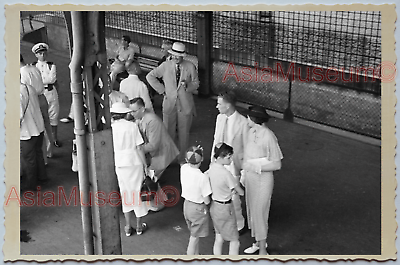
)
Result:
{"points": [[140, 230], [128, 230], [243, 230], [57, 144]]}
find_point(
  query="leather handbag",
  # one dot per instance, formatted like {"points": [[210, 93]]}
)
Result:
{"points": [[149, 189]]}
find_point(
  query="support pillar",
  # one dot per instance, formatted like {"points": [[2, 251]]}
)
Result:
{"points": [[204, 51]]}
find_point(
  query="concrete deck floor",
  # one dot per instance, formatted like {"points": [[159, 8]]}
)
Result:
{"points": [[326, 200]]}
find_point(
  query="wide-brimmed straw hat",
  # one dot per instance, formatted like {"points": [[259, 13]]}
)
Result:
{"points": [[119, 107], [255, 111], [178, 49]]}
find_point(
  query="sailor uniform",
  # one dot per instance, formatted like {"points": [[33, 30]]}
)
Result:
{"points": [[49, 77]]}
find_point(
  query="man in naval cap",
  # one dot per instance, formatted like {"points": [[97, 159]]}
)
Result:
{"points": [[49, 77]]}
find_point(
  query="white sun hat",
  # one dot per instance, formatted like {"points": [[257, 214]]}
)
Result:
{"points": [[178, 49], [119, 107]]}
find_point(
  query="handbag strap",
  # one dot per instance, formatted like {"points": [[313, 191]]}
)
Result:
{"points": [[26, 107]]}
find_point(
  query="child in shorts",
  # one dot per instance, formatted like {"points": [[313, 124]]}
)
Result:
{"points": [[223, 183], [195, 190]]}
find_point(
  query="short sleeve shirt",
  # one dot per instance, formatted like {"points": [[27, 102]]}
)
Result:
{"points": [[125, 54], [195, 184], [222, 182], [30, 75]]}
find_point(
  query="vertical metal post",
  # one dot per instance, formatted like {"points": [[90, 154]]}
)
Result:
{"points": [[67, 17], [75, 66], [106, 226], [89, 85], [204, 51], [271, 42], [288, 114], [30, 22]]}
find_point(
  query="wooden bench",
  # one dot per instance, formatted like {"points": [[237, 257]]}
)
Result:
{"points": [[147, 62], [148, 56]]}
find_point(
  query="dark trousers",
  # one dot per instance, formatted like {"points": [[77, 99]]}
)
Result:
{"points": [[32, 162]]}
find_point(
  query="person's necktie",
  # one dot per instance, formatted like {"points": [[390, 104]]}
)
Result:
{"points": [[178, 74], [142, 132], [225, 131]]}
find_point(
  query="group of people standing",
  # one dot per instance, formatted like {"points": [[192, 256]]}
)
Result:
{"points": [[245, 153], [146, 146], [39, 112]]}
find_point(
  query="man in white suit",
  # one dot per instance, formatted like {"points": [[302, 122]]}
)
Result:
{"points": [[231, 128], [181, 81]]}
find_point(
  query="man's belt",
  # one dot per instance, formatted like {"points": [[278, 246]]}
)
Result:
{"points": [[195, 202], [227, 202]]}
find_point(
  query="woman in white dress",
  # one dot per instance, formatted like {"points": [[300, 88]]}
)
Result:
{"points": [[130, 166], [262, 156]]}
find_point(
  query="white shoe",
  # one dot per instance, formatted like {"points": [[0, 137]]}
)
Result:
{"points": [[254, 248], [66, 120]]}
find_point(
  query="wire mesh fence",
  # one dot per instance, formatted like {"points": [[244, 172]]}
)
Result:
{"points": [[340, 39], [252, 50], [249, 45], [151, 27]]}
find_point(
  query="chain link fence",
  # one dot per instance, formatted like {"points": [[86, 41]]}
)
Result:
{"points": [[252, 53], [152, 27]]}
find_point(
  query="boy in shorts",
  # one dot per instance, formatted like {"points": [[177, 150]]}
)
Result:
{"points": [[196, 190], [222, 212]]}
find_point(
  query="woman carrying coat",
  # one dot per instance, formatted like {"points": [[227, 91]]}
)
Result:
{"points": [[262, 156]]}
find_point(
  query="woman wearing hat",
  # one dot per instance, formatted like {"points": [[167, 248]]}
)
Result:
{"points": [[129, 166], [262, 156]]}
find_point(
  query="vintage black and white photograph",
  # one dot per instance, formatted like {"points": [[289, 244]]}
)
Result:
{"points": [[250, 133]]}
